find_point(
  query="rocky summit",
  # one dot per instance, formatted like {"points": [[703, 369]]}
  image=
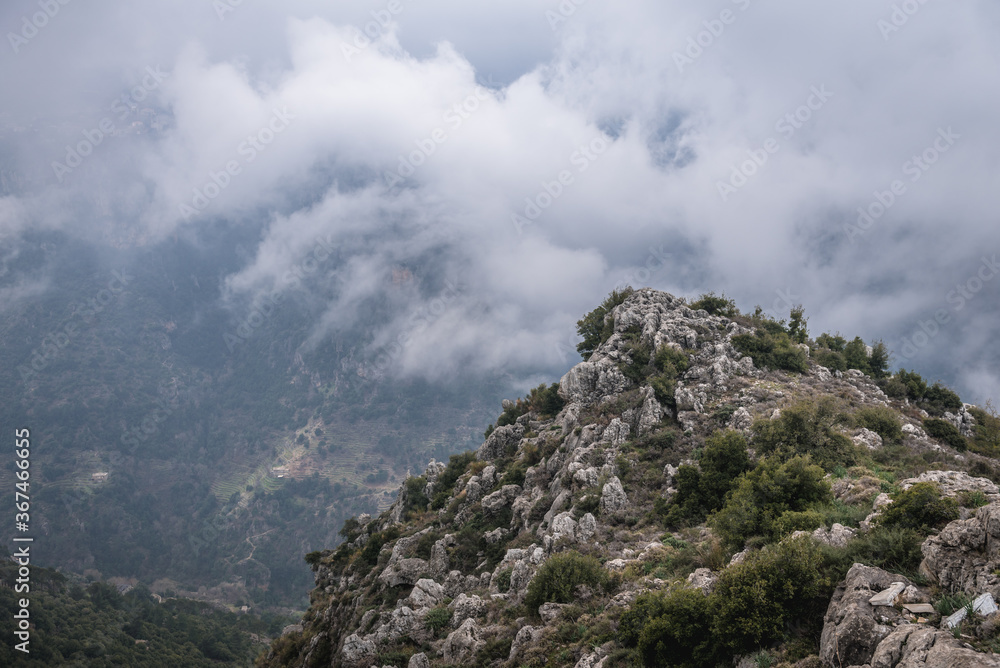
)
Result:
{"points": [[707, 488]]}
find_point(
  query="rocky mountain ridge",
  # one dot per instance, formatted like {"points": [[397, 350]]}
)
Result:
{"points": [[540, 548]]}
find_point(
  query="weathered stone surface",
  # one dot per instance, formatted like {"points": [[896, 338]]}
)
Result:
{"points": [[500, 499], [564, 527], [838, 535], [866, 438], [953, 482], [500, 441], [357, 650], [401, 622], [852, 629], [596, 660], [404, 572], [527, 635], [613, 498], [914, 431], [888, 596], [741, 419], [587, 528], [918, 646], [589, 382], [616, 432], [852, 491], [426, 594], [703, 579], [549, 612], [419, 661], [462, 643], [466, 607], [966, 552]]}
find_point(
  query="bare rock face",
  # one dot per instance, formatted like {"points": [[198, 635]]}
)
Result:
{"points": [[917, 646], [500, 441], [466, 607], [963, 421], [953, 482], [852, 627], [589, 382], [866, 438], [426, 594], [966, 552], [837, 535], [613, 498], [741, 420], [703, 579], [526, 636], [419, 661], [463, 643], [357, 650]]}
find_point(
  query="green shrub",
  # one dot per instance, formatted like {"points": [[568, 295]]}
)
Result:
{"points": [[679, 634], [764, 494], [700, 491], [595, 328], [921, 508], [947, 432], [557, 579], [369, 553], [806, 428], [882, 420], [986, 435], [833, 342], [894, 549], [716, 305], [856, 355], [443, 486], [546, 400], [936, 399], [754, 602], [797, 520], [437, 620], [772, 351], [832, 360], [503, 580], [415, 499], [639, 368]]}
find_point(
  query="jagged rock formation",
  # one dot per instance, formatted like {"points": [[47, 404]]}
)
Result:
{"points": [[443, 576]]}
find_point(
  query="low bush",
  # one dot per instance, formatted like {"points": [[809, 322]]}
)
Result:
{"points": [[921, 508], [596, 327], [946, 432], [986, 434], [679, 633], [414, 498], [700, 490], [772, 351], [716, 305], [756, 601], [443, 486], [546, 400], [807, 428], [936, 399], [764, 495], [558, 578], [437, 620], [754, 604], [882, 420]]}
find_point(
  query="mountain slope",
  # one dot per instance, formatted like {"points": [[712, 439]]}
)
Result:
{"points": [[676, 504]]}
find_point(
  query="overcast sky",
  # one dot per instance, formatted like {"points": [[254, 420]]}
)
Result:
{"points": [[543, 152]]}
